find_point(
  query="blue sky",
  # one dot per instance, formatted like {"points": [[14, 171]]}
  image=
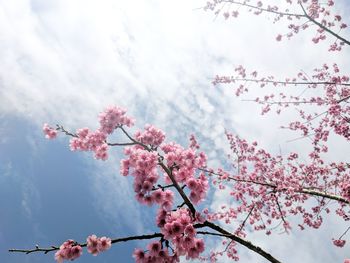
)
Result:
{"points": [[65, 61], [47, 197]]}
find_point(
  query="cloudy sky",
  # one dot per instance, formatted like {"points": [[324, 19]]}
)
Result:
{"points": [[64, 61]]}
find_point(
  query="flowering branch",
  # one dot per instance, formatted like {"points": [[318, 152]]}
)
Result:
{"points": [[262, 9], [113, 241], [323, 27], [242, 241], [307, 191]]}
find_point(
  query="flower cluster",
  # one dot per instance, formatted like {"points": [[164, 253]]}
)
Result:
{"points": [[69, 250], [186, 161], [143, 165], [90, 141], [50, 133], [164, 198], [155, 254], [86, 140], [198, 187], [96, 244], [112, 117], [152, 136], [178, 227]]}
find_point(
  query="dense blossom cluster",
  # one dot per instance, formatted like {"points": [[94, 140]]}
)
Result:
{"points": [[152, 136], [142, 164], [90, 141], [69, 250], [177, 227], [112, 117]]}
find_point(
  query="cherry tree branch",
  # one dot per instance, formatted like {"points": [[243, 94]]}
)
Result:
{"points": [[245, 220], [307, 191], [279, 208], [62, 129], [121, 144], [323, 27], [233, 79], [304, 15], [222, 233], [268, 10], [116, 240], [241, 241]]}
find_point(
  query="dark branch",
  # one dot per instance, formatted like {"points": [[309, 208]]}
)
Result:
{"points": [[245, 220], [121, 144], [62, 129], [242, 241]]}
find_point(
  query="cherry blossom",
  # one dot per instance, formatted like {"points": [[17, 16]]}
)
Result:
{"points": [[69, 250]]}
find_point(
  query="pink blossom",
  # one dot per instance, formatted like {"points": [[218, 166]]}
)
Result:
{"points": [[96, 244], [339, 242], [50, 133], [69, 250], [112, 117]]}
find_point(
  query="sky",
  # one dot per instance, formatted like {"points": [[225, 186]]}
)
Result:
{"points": [[65, 61]]}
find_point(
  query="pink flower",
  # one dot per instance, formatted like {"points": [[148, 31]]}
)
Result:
{"points": [[96, 245], [113, 117], [339, 242], [158, 196], [50, 133], [154, 248], [138, 255], [69, 250], [105, 243]]}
